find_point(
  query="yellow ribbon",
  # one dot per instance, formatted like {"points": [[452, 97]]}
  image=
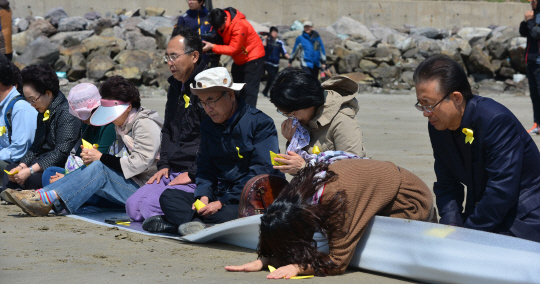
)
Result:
{"points": [[272, 269], [186, 99], [468, 135], [3, 130], [240, 156], [46, 115], [316, 150]]}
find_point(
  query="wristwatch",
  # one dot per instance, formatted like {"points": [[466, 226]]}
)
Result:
{"points": [[31, 170]]}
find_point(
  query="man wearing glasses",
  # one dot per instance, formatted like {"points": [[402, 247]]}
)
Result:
{"points": [[478, 143], [235, 146]]}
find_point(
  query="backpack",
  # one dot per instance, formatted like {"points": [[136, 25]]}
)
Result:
{"points": [[9, 111]]}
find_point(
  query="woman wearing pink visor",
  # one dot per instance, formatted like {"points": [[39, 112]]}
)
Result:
{"points": [[131, 160]]}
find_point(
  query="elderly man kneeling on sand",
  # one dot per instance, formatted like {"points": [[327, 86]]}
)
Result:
{"points": [[235, 144]]}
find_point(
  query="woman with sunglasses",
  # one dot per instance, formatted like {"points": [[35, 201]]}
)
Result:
{"points": [[131, 160], [56, 133], [327, 113]]}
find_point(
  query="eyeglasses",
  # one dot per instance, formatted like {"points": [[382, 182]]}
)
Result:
{"points": [[172, 58], [34, 100], [288, 115], [211, 104], [429, 109]]}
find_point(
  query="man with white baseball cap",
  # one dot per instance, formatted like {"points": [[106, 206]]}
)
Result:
{"points": [[310, 49], [235, 145]]}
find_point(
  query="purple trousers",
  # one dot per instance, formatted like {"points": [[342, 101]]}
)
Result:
{"points": [[144, 203]]}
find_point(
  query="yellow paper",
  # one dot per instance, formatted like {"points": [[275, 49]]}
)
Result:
{"points": [[87, 144], [468, 135], [199, 205], [46, 115], [440, 232], [274, 162], [316, 150], [272, 269], [3, 130], [124, 223], [16, 172], [239, 156], [186, 99]]}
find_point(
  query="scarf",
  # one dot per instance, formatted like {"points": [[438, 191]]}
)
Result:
{"points": [[120, 130]]}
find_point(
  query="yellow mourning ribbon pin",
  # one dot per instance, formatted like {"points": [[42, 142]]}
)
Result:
{"points": [[46, 115], [239, 156], [316, 150], [272, 269], [468, 135], [274, 162], [186, 99], [3, 130]]}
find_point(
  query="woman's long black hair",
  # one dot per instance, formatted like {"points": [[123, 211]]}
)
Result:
{"points": [[287, 227]]}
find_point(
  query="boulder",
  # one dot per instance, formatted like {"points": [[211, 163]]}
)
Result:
{"points": [[432, 33], [22, 24], [62, 64], [130, 24], [475, 36], [94, 42], [163, 35], [409, 65], [78, 67], [411, 53], [366, 65], [20, 41], [149, 26], [341, 51], [331, 59], [136, 40], [54, 15], [407, 78], [138, 58], [383, 33], [92, 15], [385, 71], [101, 24], [517, 54], [349, 63], [39, 28], [154, 11], [349, 26], [290, 37], [506, 72], [69, 39], [41, 50], [496, 64], [98, 66], [258, 27], [71, 24], [329, 40], [401, 41], [499, 41], [133, 74], [478, 62], [456, 56], [353, 46], [360, 77]]}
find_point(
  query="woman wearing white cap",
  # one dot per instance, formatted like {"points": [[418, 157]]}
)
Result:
{"points": [[116, 176]]}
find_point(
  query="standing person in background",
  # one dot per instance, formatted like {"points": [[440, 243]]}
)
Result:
{"points": [[5, 25], [273, 48], [310, 48], [196, 18], [242, 42], [529, 28]]}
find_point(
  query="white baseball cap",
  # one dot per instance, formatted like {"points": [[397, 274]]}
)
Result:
{"points": [[214, 80], [308, 23]]}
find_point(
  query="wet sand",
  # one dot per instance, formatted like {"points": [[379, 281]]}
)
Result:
{"points": [[61, 249]]}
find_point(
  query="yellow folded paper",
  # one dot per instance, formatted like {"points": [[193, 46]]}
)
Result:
{"points": [[87, 144], [3, 130], [16, 172], [272, 269], [274, 162], [199, 205]]}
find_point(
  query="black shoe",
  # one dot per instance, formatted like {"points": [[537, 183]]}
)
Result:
{"points": [[190, 228], [158, 224]]}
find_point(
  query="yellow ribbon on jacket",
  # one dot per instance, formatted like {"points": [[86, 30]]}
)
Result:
{"points": [[3, 130], [186, 99], [239, 156], [316, 150], [468, 135], [46, 115], [272, 269]]}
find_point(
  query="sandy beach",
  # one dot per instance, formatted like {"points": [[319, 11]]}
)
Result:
{"points": [[58, 249]]}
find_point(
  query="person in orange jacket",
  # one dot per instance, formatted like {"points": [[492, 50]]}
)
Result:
{"points": [[244, 45], [5, 26]]}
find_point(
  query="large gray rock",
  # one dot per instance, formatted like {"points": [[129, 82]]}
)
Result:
{"points": [[163, 35], [348, 26], [499, 41], [92, 15], [383, 33], [475, 36], [78, 67], [506, 72], [55, 15], [456, 56], [478, 62], [39, 28], [407, 77], [134, 58], [456, 43], [69, 39], [20, 41], [98, 67], [41, 50], [94, 42], [401, 41], [130, 24], [366, 65], [432, 33], [150, 25], [62, 64], [290, 37], [101, 24], [386, 76], [22, 24], [136, 40], [517, 54], [154, 11], [329, 40], [349, 63], [71, 24]]}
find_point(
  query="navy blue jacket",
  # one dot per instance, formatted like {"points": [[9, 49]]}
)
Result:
{"points": [[500, 169], [233, 152], [531, 30], [196, 20], [274, 49]]}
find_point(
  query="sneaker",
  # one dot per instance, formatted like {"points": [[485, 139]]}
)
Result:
{"points": [[158, 224], [35, 207], [190, 228], [535, 129], [5, 197], [14, 195]]}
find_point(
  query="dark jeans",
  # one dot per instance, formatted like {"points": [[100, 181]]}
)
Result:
{"points": [[249, 73], [33, 182], [272, 72], [313, 71], [176, 205], [533, 74]]}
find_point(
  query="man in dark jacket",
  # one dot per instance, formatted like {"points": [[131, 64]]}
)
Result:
{"points": [[235, 145], [180, 136], [274, 49], [529, 28], [478, 143], [310, 48]]}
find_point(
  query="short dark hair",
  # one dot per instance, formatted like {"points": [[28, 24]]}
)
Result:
{"points": [[192, 40], [272, 28], [6, 72], [294, 89], [42, 78], [217, 18], [449, 74], [119, 88], [17, 78]]}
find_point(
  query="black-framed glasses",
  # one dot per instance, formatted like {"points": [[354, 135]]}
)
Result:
{"points": [[211, 104], [34, 100], [172, 58], [429, 109], [288, 115]]}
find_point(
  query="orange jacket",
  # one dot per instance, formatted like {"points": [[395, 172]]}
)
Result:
{"points": [[240, 38]]}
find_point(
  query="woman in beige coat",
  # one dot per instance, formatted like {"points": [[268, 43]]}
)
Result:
{"points": [[327, 111]]}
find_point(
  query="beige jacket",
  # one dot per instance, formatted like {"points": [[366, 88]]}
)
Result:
{"points": [[141, 164], [335, 127]]}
